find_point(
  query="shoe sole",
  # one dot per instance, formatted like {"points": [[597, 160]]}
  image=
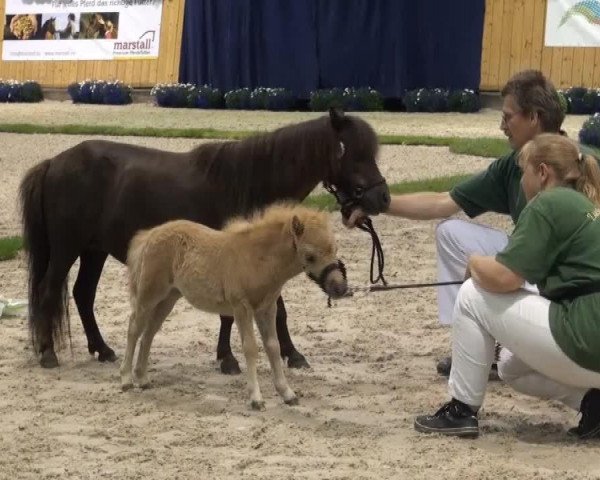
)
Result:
{"points": [[464, 432]]}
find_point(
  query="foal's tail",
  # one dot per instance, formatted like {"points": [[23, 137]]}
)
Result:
{"points": [[37, 245], [135, 252]]}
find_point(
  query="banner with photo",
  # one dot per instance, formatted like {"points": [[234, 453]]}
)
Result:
{"points": [[573, 23], [81, 29]]}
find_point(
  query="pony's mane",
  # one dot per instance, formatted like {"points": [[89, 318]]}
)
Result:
{"points": [[277, 214], [264, 165]]}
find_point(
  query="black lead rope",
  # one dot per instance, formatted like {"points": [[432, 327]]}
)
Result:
{"points": [[367, 226], [382, 288]]}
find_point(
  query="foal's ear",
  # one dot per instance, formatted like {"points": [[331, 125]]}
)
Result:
{"points": [[337, 117], [297, 227]]}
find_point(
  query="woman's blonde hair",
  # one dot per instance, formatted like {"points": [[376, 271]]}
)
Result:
{"points": [[571, 167]]}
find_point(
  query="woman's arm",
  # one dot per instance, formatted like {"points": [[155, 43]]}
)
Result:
{"points": [[492, 275]]}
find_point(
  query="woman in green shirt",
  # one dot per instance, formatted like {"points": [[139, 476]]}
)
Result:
{"points": [[551, 341]]}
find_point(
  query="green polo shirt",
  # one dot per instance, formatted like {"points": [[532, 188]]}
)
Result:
{"points": [[496, 189], [556, 246]]}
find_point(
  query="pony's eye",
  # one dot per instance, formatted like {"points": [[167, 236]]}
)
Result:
{"points": [[310, 258], [358, 192]]}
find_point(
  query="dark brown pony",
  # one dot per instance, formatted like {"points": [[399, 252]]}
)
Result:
{"points": [[90, 200]]}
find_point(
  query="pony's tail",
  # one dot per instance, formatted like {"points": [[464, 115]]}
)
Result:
{"points": [[37, 246], [137, 245]]}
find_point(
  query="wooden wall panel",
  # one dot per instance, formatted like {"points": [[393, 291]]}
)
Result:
{"points": [[137, 73], [513, 40]]}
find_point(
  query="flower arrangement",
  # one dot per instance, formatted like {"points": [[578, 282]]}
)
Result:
{"points": [[28, 91], [590, 131], [564, 103], [441, 100], [100, 92], [238, 99], [464, 101], [350, 99], [186, 95], [322, 99], [582, 100], [175, 95], [209, 97], [264, 98]]}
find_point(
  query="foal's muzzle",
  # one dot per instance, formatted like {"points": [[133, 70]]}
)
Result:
{"points": [[332, 286]]}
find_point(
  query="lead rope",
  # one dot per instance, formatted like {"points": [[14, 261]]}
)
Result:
{"points": [[367, 226]]}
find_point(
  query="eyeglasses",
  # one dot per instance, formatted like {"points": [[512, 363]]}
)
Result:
{"points": [[507, 117]]}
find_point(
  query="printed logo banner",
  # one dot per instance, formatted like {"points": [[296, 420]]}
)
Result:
{"points": [[573, 23], [81, 29]]}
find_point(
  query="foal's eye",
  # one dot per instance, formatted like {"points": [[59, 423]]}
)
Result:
{"points": [[310, 258], [358, 191]]}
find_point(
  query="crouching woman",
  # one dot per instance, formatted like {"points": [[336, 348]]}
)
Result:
{"points": [[551, 341]]}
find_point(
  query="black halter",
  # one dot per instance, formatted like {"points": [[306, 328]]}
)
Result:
{"points": [[320, 280], [347, 204]]}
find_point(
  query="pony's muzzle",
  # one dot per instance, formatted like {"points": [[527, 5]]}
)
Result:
{"points": [[376, 199]]}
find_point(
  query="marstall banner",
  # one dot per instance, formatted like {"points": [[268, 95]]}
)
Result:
{"points": [[573, 23], [81, 29]]}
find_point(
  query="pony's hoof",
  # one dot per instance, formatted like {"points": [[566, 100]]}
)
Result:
{"points": [[49, 359], [126, 386], [230, 366], [297, 360], [293, 401], [107, 355], [258, 405]]}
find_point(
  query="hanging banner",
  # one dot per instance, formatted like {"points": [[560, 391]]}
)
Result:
{"points": [[81, 29], [573, 23]]}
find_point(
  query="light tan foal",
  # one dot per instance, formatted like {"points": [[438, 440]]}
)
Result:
{"points": [[237, 271]]}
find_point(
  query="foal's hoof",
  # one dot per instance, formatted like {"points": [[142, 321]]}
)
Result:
{"points": [[293, 401], [230, 366], [258, 405], [297, 360], [126, 387], [107, 355], [49, 359]]}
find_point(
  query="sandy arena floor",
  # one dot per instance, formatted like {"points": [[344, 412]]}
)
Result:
{"points": [[372, 357]]}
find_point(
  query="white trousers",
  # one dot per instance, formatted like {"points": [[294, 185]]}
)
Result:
{"points": [[456, 240], [519, 322]]}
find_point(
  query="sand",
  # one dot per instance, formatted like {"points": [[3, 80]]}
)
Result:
{"points": [[372, 362]]}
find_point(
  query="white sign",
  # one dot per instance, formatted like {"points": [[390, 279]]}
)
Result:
{"points": [[81, 29], [573, 23]]}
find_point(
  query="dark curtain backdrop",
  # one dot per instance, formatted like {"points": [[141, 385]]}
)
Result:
{"points": [[303, 45]]}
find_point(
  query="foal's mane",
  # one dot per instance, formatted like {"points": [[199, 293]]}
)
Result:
{"points": [[277, 215]]}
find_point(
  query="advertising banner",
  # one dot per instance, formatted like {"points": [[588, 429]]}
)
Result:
{"points": [[81, 29], [573, 23]]}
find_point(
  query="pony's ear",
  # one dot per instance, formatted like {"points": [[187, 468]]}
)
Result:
{"points": [[297, 226], [337, 117]]}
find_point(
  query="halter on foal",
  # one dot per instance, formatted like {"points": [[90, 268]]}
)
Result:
{"points": [[238, 271]]}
